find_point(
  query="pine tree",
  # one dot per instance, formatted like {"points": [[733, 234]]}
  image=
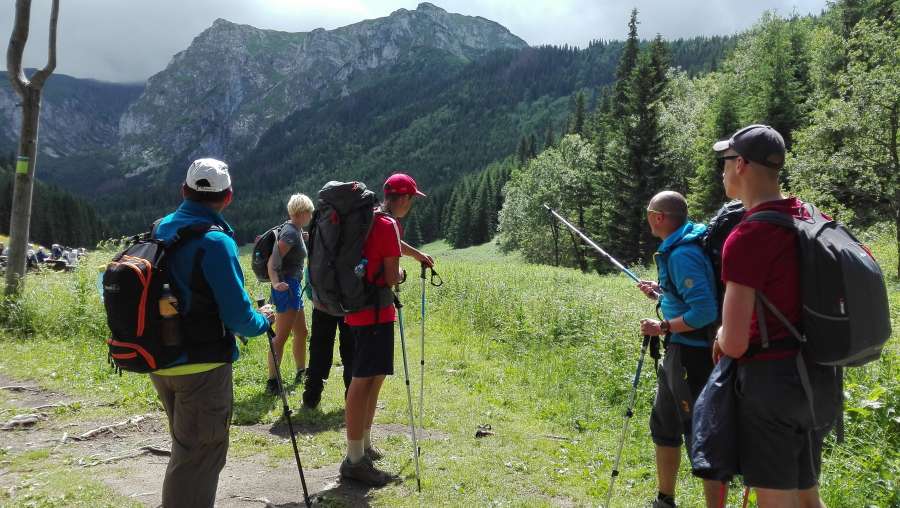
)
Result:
{"points": [[523, 151], [707, 193], [634, 167], [576, 123], [627, 63], [549, 138], [481, 212]]}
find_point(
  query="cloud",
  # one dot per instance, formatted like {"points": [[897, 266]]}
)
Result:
{"points": [[117, 40]]}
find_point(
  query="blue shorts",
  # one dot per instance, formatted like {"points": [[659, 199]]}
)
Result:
{"points": [[290, 299]]}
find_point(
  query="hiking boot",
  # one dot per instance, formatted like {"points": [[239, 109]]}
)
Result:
{"points": [[298, 377], [312, 392], [365, 472], [374, 453], [272, 387], [659, 503]]}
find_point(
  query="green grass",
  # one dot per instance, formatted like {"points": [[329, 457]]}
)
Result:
{"points": [[544, 355], [37, 479]]}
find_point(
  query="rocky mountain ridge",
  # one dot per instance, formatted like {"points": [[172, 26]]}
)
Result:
{"points": [[217, 97], [78, 116]]}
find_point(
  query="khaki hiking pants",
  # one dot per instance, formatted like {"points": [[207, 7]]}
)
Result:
{"points": [[199, 411]]}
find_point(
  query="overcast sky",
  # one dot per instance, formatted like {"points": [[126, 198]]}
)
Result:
{"points": [[129, 40]]}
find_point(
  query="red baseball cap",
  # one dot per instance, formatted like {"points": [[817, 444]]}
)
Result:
{"points": [[400, 183]]}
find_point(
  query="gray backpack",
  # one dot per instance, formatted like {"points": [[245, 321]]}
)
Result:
{"points": [[338, 231], [845, 319]]}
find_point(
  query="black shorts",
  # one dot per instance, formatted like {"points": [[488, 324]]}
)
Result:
{"points": [[778, 446], [680, 379], [374, 350]]}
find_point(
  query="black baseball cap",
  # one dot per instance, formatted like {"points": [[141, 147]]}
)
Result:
{"points": [[757, 143]]}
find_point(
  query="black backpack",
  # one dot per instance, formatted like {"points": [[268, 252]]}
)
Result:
{"points": [[262, 251], [338, 231], [717, 231], [845, 318], [132, 287]]}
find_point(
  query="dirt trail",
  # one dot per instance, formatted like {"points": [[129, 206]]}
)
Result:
{"points": [[129, 457]]}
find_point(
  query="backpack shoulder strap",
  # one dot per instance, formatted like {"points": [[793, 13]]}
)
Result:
{"points": [[154, 226], [378, 211], [193, 231], [772, 217]]}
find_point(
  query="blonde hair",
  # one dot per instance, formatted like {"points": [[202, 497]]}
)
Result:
{"points": [[298, 204]]}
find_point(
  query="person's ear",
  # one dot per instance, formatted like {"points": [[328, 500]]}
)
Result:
{"points": [[741, 164]]}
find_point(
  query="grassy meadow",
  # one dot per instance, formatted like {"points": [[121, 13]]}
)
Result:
{"points": [[543, 355]]}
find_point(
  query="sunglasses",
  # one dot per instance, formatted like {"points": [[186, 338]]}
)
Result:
{"points": [[720, 161]]}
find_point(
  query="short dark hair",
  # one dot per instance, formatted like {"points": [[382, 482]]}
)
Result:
{"points": [[204, 197]]}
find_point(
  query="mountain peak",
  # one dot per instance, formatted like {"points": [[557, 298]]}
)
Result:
{"points": [[261, 76], [222, 22], [429, 7]]}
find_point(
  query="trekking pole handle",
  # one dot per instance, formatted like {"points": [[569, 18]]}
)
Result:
{"points": [[260, 302], [434, 275]]}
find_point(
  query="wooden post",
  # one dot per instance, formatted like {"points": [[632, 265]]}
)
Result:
{"points": [[29, 92]]}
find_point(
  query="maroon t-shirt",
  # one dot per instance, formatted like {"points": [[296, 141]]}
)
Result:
{"points": [[765, 257]]}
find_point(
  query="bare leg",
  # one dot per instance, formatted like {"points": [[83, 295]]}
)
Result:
{"points": [[809, 498], [715, 493], [377, 381], [773, 498], [357, 406], [283, 323], [668, 459], [300, 333]]}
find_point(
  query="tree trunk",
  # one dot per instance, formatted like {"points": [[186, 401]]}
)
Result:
{"points": [[23, 186], [30, 94], [582, 256]]}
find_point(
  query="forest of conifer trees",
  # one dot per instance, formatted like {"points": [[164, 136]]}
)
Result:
{"points": [[56, 215], [830, 84]]}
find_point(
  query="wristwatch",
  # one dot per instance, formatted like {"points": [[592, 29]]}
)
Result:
{"points": [[664, 326]]}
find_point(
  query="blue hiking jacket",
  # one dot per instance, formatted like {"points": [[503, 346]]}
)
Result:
{"points": [[221, 270], [682, 265]]}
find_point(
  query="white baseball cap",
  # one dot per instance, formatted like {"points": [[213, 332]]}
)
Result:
{"points": [[208, 175]]}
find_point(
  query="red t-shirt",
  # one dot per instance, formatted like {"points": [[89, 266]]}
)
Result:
{"points": [[383, 242], [766, 258]]}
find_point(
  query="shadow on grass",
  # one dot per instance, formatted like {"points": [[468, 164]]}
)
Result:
{"points": [[309, 421], [249, 411], [349, 494]]}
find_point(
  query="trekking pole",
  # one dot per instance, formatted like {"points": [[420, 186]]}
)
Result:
{"points": [[628, 414], [286, 408], [437, 282], [422, 356], [412, 422], [596, 247]]}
